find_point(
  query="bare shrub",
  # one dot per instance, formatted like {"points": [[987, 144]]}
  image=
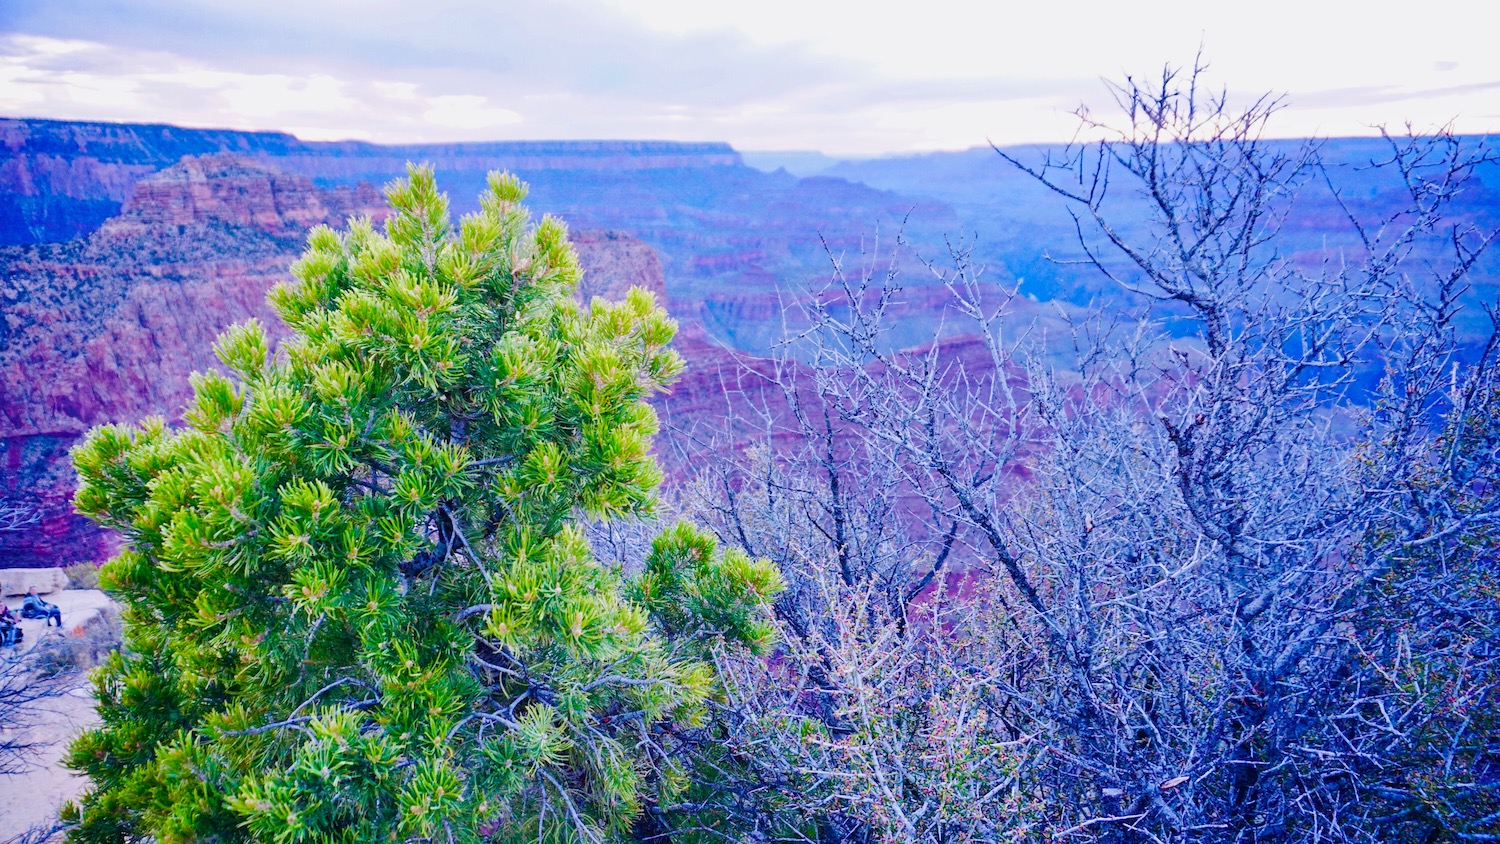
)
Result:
{"points": [[17, 517], [69, 653], [82, 575], [1231, 534]]}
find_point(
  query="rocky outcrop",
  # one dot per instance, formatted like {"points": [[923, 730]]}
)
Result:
{"points": [[223, 189], [105, 329], [15, 582], [613, 263], [715, 223]]}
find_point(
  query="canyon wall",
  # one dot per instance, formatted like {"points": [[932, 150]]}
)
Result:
{"points": [[721, 230], [107, 328], [60, 180]]}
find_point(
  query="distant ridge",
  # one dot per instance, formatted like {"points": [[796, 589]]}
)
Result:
{"points": [[61, 179], [149, 142]]}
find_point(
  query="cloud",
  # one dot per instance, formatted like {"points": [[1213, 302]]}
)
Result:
{"points": [[465, 111], [454, 70], [769, 74], [1385, 94], [472, 47]]}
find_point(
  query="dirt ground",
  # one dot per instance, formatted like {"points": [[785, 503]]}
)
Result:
{"points": [[33, 798]]}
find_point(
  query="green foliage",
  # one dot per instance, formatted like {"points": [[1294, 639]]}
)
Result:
{"points": [[84, 575], [359, 603], [691, 588]]}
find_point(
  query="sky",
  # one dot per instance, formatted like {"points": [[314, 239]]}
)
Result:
{"points": [[843, 78]]}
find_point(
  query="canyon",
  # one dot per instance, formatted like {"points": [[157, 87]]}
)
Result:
{"points": [[126, 248]]}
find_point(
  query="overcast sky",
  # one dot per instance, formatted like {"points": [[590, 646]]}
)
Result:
{"points": [[845, 78]]}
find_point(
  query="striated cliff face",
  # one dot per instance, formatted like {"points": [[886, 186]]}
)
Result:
{"points": [[228, 190], [107, 329], [102, 329]]}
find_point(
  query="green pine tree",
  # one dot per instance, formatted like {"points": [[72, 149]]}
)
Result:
{"points": [[359, 602]]}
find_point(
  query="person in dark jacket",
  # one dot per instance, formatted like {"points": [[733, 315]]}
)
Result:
{"points": [[35, 607], [10, 626]]}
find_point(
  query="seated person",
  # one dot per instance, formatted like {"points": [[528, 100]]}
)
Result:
{"points": [[35, 607], [10, 626]]}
